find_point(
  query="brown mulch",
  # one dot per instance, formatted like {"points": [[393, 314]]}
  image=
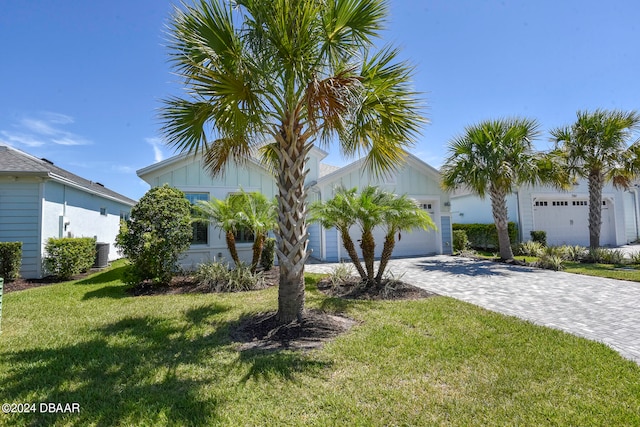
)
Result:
{"points": [[264, 332], [353, 288]]}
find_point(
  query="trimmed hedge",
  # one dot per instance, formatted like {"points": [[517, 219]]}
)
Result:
{"points": [[539, 236], [10, 260], [69, 256], [485, 236]]}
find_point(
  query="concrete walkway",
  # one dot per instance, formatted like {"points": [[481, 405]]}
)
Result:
{"points": [[604, 310]]}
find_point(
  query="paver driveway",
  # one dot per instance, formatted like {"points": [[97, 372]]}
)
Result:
{"points": [[604, 310]]}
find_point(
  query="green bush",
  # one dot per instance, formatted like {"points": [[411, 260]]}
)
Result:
{"points": [[156, 234], [551, 262], [268, 253], [460, 241], [219, 278], [10, 260], [530, 248], [539, 236], [485, 236], [68, 256]]}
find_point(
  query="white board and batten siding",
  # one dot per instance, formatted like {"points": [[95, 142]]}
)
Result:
{"points": [[20, 201]]}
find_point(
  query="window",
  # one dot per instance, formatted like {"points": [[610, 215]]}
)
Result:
{"points": [[541, 203], [426, 206], [103, 211], [200, 230], [579, 203], [124, 216], [560, 203]]}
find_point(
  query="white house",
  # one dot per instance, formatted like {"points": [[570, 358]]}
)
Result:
{"points": [[39, 200], [416, 179], [563, 215]]}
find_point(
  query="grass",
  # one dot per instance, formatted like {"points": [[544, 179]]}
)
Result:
{"points": [[611, 271], [168, 360]]}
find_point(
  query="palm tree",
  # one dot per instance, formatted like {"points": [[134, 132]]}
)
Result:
{"points": [[495, 157], [595, 147], [339, 212], [371, 208], [223, 214], [401, 213], [258, 215], [296, 71]]}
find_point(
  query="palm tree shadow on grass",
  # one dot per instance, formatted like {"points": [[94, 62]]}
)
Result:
{"points": [[133, 371]]}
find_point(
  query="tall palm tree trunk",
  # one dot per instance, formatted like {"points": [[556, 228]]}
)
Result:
{"points": [[231, 245], [501, 218], [353, 254], [387, 251], [292, 211], [596, 182]]}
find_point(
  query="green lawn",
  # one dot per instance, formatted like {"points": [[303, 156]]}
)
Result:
{"points": [[168, 360]]}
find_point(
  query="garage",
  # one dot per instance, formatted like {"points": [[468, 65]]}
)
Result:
{"points": [[408, 243], [566, 221]]}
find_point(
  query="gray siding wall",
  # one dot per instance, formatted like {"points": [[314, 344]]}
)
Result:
{"points": [[331, 244], [314, 245], [445, 229], [20, 222]]}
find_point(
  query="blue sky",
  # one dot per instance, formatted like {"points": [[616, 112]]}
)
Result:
{"points": [[80, 81]]}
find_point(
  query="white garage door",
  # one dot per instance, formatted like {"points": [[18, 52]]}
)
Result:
{"points": [[408, 243], [566, 221]]}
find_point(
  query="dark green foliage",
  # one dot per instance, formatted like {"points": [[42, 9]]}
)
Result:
{"points": [[485, 236], [460, 241], [10, 260], [268, 253], [68, 256], [539, 236], [156, 234]]}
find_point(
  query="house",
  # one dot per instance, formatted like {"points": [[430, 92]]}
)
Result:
{"points": [[39, 200], [415, 178], [563, 215]]}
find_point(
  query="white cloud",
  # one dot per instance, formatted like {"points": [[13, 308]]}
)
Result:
{"points": [[13, 138], [45, 128], [156, 143]]}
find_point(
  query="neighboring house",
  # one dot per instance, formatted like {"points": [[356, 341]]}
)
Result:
{"points": [[39, 200], [416, 179], [563, 215]]}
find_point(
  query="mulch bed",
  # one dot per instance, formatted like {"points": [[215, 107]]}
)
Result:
{"points": [[353, 288], [22, 284]]}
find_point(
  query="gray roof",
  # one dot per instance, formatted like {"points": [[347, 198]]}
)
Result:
{"points": [[18, 163], [326, 169]]}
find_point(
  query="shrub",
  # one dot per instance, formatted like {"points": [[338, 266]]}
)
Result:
{"points": [[575, 252], [340, 273], [460, 241], [485, 236], [539, 236], [530, 248], [158, 231], [551, 262], [68, 256], [605, 256], [10, 260], [635, 257], [219, 278], [268, 253]]}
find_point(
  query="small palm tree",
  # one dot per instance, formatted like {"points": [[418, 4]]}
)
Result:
{"points": [[401, 213], [369, 209], [495, 157], [339, 212], [226, 216], [258, 215], [595, 147]]}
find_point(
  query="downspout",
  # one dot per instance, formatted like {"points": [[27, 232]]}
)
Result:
{"points": [[519, 216]]}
